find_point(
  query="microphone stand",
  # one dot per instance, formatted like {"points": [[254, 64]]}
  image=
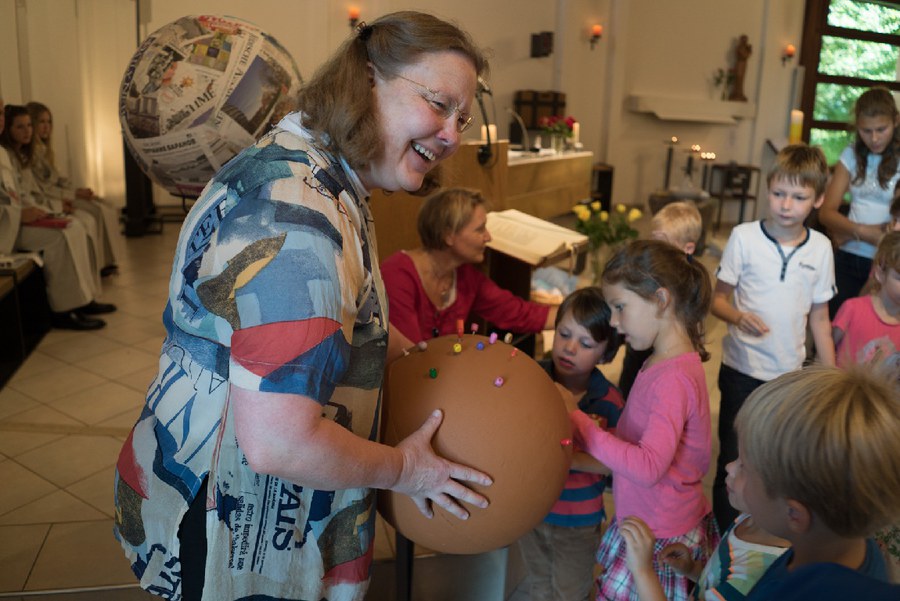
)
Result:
{"points": [[484, 151]]}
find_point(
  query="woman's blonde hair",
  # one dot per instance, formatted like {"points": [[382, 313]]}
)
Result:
{"points": [[830, 439], [45, 148], [447, 212], [337, 103]]}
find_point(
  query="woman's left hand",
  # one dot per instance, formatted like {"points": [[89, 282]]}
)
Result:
{"points": [[428, 478]]}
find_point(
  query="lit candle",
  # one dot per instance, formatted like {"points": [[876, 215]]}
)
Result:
{"points": [[353, 13], [492, 129], [790, 50], [795, 133], [576, 132], [597, 30]]}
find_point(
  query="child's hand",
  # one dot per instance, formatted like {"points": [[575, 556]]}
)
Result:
{"points": [[678, 557], [639, 541], [752, 324]]}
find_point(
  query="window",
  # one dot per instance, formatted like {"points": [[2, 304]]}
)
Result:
{"points": [[848, 47]]}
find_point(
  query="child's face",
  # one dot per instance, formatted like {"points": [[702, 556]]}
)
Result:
{"points": [[790, 203], [575, 352], [634, 317], [768, 513], [890, 285], [876, 132]]}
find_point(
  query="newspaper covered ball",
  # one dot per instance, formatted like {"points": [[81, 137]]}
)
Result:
{"points": [[198, 91], [502, 415]]}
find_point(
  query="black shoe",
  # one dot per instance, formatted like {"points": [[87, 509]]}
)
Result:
{"points": [[109, 270], [72, 320], [95, 308]]}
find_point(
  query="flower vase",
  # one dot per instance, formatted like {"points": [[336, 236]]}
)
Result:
{"points": [[598, 257], [558, 143]]}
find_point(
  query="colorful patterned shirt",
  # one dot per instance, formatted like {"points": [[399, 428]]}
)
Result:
{"points": [[275, 288]]}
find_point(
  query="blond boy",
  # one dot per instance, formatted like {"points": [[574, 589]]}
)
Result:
{"points": [[679, 224], [776, 276], [821, 451]]}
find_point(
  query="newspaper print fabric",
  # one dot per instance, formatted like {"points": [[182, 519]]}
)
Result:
{"points": [[275, 288]]}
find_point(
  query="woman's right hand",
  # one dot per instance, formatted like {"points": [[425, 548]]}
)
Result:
{"points": [[428, 478], [31, 214]]}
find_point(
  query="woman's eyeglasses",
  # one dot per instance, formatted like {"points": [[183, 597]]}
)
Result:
{"points": [[442, 105]]}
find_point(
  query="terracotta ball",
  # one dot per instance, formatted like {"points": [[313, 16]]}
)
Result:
{"points": [[502, 415]]}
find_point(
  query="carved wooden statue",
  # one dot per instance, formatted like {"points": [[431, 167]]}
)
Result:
{"points": [[742, 53]]}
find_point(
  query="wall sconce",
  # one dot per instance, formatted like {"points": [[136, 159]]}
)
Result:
{"points": [[353, 15], [596, 34], [788, 53]]}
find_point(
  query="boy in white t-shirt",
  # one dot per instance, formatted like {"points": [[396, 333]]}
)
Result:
{"points": [[775, 275]]}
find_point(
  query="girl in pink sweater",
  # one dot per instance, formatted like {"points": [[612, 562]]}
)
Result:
{"points": [[659, 299]]}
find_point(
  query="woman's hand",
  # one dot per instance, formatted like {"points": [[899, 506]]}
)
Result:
{"points": [[68, 206], [428, 478], [84, 193], [31, 214]]}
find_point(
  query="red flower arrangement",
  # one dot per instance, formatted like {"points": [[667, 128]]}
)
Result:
{"points": [[554, 124]]}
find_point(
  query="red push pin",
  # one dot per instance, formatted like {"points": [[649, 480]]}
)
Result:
{"points": [[513, 352], [566, 442], [460, 328], [474, 328]]}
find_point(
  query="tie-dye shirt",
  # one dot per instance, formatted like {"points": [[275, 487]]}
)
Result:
{"points": [[275, 288]]}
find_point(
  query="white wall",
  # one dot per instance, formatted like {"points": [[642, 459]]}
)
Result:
{"points": [[648, 46]]}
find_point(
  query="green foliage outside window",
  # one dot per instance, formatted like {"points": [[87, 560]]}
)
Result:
{"points": [[857, 58]]}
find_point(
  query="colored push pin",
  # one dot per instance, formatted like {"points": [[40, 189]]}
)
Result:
{"points": [[566, 442], [513, 353], [507, 338], [474, 328], [460, 328], [457, 348], [432, 373], [480, 346], [498, 382], [492, 338]]}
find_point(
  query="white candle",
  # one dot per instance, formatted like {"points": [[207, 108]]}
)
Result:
{"points": [[576, 132], [493, 131]]}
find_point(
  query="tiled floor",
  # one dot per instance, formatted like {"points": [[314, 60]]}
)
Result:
{"points": [[64, 415]]}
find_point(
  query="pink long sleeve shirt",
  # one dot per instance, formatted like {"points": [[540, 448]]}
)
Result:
{"points": [[661, 449]]}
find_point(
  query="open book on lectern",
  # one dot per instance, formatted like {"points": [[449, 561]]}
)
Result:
{"points": [[531, 239]]}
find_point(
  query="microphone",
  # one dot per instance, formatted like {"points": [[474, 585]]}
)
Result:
{"points": [[483, 87]]}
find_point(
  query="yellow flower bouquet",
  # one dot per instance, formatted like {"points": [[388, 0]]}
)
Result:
{"points": [[605, 229], [601, 227]]}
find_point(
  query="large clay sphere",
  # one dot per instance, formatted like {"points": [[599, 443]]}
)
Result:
{"points": [[198, 91], [515, 430]]}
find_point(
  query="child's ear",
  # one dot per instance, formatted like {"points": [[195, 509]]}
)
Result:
{"points": [[689, 248], [799, 517], [663, 298], [819, 201]]}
